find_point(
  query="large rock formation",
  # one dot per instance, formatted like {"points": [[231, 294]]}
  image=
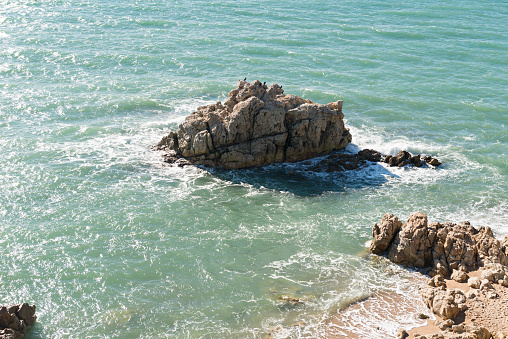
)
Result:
{"points": [[258, 125], [442, 248], [15, 319], [454, 251]]}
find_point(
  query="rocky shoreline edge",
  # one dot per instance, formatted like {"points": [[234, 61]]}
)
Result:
{"points": [[15, 319], [338, 161], [468, 288]]}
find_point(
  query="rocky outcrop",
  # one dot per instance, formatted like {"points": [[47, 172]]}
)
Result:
{"points": [[338, 162], [258, 125], [442, 248], [384, 233], [445, 303], [15, 319], [454, 251], [405, 158]]}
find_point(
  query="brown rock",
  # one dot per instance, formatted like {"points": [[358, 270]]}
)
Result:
{"points": [[485, 285], [504, 245], [258, 125], [402, 334], [404, 158], [370, 155], [490, 250], [459, 276], [384, 233], [444, 303], [459, 332], [454, 248], [444, 248], [431, 161], [416, 161], [27, 314], [15, 319], [443, 325], [437, 281], [413, 243], [474, 282], [9, 333]]}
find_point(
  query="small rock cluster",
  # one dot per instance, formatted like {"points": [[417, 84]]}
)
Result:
{"points": [[452, 331], [446, 303], [15, 319], [405, 158], [338, 162]]}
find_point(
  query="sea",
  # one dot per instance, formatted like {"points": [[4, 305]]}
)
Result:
{"points": [[110, 242]]}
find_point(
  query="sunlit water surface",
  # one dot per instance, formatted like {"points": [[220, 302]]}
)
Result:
{"points": [[109, 242]]}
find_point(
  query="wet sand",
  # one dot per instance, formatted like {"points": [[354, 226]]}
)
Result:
{"points": [[378, 316]]}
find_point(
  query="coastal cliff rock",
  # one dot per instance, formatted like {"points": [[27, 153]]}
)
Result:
{"points": [[453, 251], [15, 319], [258, 125], [442, 248], [384, 233]]}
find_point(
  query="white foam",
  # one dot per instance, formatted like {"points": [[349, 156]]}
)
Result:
{"points": [[389, 144], [351, 277]]}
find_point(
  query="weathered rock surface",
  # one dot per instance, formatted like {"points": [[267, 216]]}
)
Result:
{"points": [[404, 158], [451, 250], [15, 319], [442, 248], [445, 303], [451, 331], [258, 125], [384, 233]]}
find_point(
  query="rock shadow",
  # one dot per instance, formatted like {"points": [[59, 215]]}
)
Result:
{"points": [[299, 178]]}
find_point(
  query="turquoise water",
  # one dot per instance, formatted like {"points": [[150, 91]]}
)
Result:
{"points": [[109, 242]]}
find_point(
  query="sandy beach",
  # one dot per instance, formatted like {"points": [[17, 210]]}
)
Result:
{"points": [[490, 313]]}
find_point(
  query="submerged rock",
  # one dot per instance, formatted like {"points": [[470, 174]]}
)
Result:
{"points": [[288, 301], [258, 125], [15, 319], [405, 158]]}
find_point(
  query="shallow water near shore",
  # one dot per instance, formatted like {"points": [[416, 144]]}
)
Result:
{"points": [[109, 242]]}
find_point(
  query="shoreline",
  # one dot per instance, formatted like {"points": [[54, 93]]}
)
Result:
{"points": [[481, 311], [378, 316], [468, 288], [465, 295]]}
